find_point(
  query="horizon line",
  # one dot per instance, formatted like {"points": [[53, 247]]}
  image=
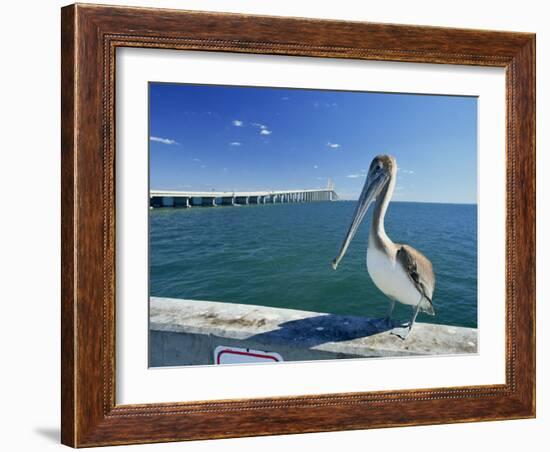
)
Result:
{"points": [[422, 202]]}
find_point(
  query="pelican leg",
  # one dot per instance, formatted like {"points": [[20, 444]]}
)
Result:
{"points": [[403, 332], [388, 320]]}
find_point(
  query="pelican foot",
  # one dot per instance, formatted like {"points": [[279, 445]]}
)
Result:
{"points": [[401, 332]]}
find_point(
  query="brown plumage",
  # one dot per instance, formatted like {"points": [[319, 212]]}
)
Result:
{"points": [[420, 271]]}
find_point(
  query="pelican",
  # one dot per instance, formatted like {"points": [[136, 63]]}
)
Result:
{"points": [[401, 272]]}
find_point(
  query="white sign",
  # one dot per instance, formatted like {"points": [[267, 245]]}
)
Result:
{"points": [[234, 355]]}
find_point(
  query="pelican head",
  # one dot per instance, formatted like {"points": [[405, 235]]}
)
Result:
{"points": [[381, 170]]}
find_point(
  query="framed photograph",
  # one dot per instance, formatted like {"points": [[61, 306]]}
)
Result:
{"points": [[282, 225]]}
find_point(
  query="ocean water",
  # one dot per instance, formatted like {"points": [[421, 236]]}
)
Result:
{"points": [[279, 255]]}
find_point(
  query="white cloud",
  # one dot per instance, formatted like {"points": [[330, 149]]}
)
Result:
{"points": [[196, 160], [334, 145], [354, 176], [235, 143], [263, 128], [315, 166], [284, 98], [163, 140], [404, 171], [203, 166], [237, 123]]}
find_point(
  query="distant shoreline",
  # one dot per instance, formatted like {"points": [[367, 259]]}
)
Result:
{"points": [[419, 202]]}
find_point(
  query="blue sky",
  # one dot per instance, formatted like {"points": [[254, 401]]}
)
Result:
{"points": [[243, 138]]}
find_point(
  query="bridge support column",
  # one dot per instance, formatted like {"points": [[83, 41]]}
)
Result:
{"points": [[228, 201], [209, 201], [181, 201]]}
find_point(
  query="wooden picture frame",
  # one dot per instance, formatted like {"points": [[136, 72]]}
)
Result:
{"points": [[90, 36]]}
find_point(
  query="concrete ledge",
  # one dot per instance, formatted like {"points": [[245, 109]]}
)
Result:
{"points": [[186, 332]]}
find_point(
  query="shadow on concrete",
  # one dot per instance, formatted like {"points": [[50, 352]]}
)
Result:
{"points": [[51, 433], [321, 329]]}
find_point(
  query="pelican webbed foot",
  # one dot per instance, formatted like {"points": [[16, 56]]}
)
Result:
{"points": [[402, 332]]}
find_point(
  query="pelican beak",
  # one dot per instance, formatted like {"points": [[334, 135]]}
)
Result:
{"points": [[376, 180]]}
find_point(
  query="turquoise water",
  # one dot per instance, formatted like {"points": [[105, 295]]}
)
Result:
{"points": [[279, 255]]}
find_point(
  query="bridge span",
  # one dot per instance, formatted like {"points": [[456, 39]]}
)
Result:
{"points": [[170, 198]]}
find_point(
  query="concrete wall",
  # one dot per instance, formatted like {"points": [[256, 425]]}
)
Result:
{"points": [[186, 332]]}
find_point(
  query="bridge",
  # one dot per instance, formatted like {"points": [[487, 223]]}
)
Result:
{"points": [[171, 198]]}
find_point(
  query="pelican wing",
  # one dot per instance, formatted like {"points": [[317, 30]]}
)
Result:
{"points": [[420, 271]]}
